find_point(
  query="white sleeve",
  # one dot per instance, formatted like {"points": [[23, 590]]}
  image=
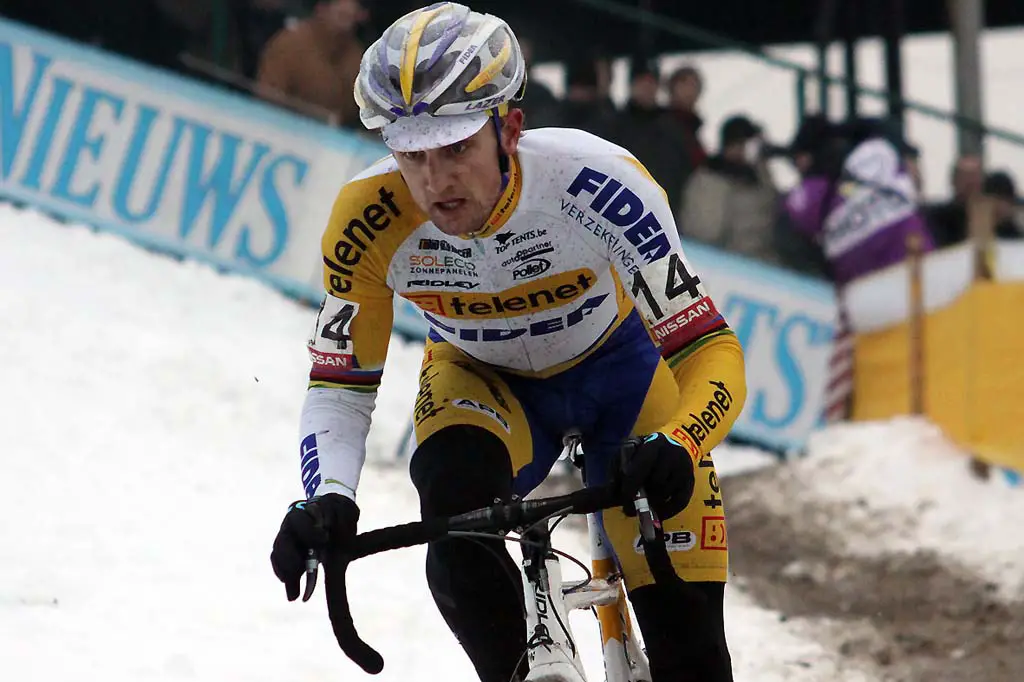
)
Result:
{"points": [[333, 430]]}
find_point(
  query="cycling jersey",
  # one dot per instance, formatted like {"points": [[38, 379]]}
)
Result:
{"points": [[580, 237]]}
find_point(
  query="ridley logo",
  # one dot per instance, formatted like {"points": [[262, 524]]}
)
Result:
{"points": [[531, 268], [455, 284]]}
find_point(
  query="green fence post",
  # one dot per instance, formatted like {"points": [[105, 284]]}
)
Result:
{"points": [[219, 31], [801, 95]]}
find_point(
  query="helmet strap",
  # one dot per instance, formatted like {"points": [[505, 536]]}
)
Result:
{"points": [[503, 163]]}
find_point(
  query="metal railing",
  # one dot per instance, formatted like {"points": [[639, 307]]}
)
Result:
{"points": [[804, 75]]}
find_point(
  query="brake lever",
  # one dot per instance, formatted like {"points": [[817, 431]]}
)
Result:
{"points": [[650, 524], [312, 569]]}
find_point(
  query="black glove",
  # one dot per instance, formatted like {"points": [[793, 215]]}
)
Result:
{"points": [[327, 525], [662, 468]]}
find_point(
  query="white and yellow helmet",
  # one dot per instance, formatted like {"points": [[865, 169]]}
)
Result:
{"points": [[436, 75]]}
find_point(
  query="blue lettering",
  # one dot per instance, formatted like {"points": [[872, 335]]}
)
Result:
{"points": [[538, 328], [744, 322], [625, 209], [434, 322], [310, 465], [576, 316], [218, 182], [307, 448], [605, 195], [654, 249], [588, 180], [791, 374], [13, 119], [80, 141], [130, 167], [275, 208], [47, 133], [546, 326], [646, 228]]}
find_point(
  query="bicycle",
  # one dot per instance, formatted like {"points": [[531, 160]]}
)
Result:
{"points": [[551, 648]]}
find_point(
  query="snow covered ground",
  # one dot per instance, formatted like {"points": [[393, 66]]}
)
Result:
{"points": [[906, 488], [147, 453]]}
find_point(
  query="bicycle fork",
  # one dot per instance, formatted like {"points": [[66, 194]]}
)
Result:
{"points": [[624, 660], [552, 650]]}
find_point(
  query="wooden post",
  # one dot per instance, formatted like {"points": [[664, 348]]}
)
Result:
{"points": [[981, 221], [981, 229], [915, 249]]}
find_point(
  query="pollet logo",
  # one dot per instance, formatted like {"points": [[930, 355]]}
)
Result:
{"points": [[531, 268]]}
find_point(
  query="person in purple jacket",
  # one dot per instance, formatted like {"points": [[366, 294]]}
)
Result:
{"points": [[856, 197]]}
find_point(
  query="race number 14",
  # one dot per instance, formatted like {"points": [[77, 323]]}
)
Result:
{"points": [[662, 302], [334, 324]]}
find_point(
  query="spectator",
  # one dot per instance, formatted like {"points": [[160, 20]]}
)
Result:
{"points": [[685, 86], [948, 221], [585, 105], [542, 108], [797, 250], [731, 202], [857, 199], [316, 61], [642, 129], [1000, 186]]}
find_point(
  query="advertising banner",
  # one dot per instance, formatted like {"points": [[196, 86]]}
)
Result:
{"points": [[196, 171], [165, 161]]}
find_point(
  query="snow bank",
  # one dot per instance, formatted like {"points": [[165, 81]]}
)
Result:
{"points": [[910, 488], [149, 450]]}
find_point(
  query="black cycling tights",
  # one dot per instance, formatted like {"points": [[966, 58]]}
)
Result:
{"points": [[477, 588]]}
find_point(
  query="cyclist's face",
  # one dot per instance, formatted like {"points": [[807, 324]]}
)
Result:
{"points": [[457, 186]]}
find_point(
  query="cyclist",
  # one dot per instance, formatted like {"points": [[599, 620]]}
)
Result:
{"points": [[550, 271]]}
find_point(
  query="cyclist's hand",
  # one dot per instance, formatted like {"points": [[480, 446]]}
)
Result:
{"points": [[320, 524], [663, 468], [327, 525]]}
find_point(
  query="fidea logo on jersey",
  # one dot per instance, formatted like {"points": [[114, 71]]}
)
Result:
{"points": [[623, 208]]}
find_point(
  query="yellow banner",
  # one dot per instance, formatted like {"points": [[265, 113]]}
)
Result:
{"points": [[973, 372]]}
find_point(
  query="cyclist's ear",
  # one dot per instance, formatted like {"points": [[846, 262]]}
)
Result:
{"points": [[365, 656], [512, 125]]}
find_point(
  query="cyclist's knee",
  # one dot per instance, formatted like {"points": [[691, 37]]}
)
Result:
{"points": [[475, 583], [460, 468], [684, 631]]}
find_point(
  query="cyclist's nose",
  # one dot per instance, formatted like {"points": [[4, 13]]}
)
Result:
{"points": [[437, 174]]}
